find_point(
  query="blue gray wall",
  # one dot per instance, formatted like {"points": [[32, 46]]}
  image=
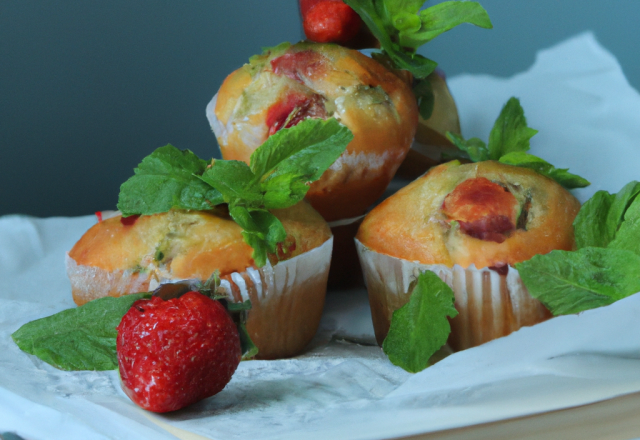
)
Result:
{"points": [[88, 88]]}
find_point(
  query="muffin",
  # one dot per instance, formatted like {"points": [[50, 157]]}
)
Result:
{"points": [[470, 223], [289, 83], [120, 256]]}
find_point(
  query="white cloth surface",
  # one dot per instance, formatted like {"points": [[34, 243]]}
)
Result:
{"points": [[589, 121]]}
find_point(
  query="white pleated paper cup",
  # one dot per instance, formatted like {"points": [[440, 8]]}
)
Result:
{"points": [[286, 299], [490, 305]]}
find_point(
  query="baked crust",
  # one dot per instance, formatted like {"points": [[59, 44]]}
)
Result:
{"points": [[378, 107], [180, 245], [411, 224]]}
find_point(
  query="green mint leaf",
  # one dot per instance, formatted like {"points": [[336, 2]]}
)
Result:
{"points": [[262, 231], [508, 143], [166, 179], [393, 8], [406, 22], [305, 150], [510, 132], [474, 148], [283, 190], [83, 338], [292, 158], [560, 175], [381, 25], [590, 225], [601, 216], [627, 237], [571, 282], [401, 27], [234, 180], [441, 18], [420, 327], [425, 97]]}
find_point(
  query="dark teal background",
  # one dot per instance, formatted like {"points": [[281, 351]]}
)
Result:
{"points": [[89, 87]]}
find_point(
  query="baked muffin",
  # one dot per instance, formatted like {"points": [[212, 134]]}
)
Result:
{"points": [[470, 224], [289, 83], [120, 256]]}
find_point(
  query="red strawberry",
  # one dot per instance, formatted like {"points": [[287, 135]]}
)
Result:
{"points": [[174, 353], [329, 21]]}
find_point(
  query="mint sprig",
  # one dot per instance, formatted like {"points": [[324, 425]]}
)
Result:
{"points": [[602, 216], [402, 26], [509, 143], [277, 177], [420, 327], [606, 265], [167, 179]]}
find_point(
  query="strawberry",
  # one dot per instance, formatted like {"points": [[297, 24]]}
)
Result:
{"points": [[329, 21], [176, 352]]}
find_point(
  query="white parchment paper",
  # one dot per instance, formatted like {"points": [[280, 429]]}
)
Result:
{"points": [[343, 387]]}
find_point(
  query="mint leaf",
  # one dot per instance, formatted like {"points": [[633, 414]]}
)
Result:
{"points": [[406, 22], [303, 151], [262, 231], [628, 234], [571, 282], [83, 338], [474, 148], [510, 132], [289, 160], [392, 8], [381, 25], [401, 28], [601, 216], [560, 175], [509, 142], [441, 18], [283, 190], [234, 180], [590, 225], [420, 327], [627, 237], [166, 179]]}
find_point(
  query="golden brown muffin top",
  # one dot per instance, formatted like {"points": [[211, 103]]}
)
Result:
{"points": [[192, 244], [486, 213]]}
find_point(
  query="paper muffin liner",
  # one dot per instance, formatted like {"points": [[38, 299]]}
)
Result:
{"points": [[88, 282], [286, 299], [489, 305]]}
